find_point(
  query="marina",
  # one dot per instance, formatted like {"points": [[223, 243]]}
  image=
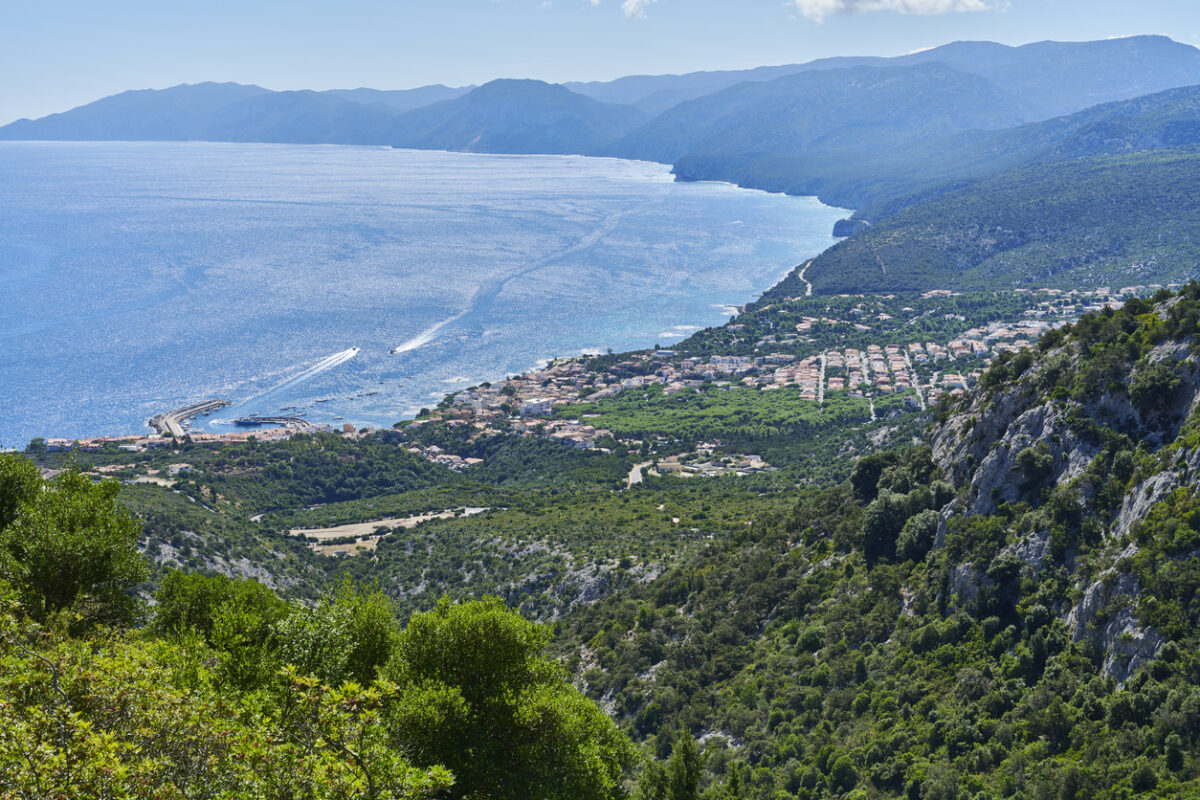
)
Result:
{"points": [[172, 423]]}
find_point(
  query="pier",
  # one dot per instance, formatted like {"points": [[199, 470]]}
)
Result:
{"points": [[171, 423], [295, 423]]}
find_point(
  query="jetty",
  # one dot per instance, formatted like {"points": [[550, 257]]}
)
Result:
{"points": [[171, 423], [295, 423]]}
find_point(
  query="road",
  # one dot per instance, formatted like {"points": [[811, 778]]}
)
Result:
{"points": [[635, 474], [821, 383], [807, 283], [916, 384]]}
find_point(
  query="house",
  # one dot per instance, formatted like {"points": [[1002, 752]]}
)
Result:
{"points": [[537, 407]]}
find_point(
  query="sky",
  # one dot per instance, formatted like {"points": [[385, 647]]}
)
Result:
{"points": [[57, 54]]}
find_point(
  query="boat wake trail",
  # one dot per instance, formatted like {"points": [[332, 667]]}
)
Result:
{"points": [[424, 337], [324, 365], [485, 296]]}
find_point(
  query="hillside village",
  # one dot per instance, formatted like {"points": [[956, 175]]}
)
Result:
{"points": [[539, 403], [810, 360]]}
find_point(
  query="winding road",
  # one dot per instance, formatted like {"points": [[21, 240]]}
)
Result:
{"points": [[807, 283]]}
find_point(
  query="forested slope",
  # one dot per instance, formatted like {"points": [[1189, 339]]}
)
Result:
{"points": [[1010, 613], [1007, 607], [1121, 220]]}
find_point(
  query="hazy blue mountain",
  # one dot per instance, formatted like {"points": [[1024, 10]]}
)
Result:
{"points": [[301, 118], [655, 94], [859, 109], [505, 116], [400, 99], [1167, 119], [1164, 119], [855, 142], [1054, 78], [179, 113], [235, 113], [517, 116]]}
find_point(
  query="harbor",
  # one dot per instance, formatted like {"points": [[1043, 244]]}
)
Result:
{"points": [[172, 423]]}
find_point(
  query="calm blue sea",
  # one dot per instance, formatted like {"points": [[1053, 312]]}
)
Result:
{"points": [[137, 277]]}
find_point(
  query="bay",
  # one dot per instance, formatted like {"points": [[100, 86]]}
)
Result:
{"points": [[138, 277]]}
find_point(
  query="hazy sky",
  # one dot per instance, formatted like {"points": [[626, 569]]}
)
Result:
{"points": [[56, 54]]}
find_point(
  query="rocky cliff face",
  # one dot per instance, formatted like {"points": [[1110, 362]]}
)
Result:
{"points": [[1085, 450]]}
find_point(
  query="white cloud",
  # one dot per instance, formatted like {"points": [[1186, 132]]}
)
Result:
{"points": [[636, 9], [819, 9]]}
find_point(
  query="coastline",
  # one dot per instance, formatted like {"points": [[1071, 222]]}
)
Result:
{"points": [[764, 244], [147, 440]]}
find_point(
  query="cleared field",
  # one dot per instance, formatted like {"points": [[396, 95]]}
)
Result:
{"points": [[364, 533]]}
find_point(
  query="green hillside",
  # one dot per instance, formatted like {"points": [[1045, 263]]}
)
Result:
{"points": [[1004, 606], [1120, 221], [1010, 613]]}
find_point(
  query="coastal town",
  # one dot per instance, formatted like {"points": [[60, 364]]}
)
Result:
{"points": [[541, 402], [806, 355]]}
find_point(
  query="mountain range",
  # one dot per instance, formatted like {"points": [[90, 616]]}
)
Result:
{"points": [[795, 128], [908, 142]]}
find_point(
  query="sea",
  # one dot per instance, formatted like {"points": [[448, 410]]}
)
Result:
{"points": [[348, 284]]}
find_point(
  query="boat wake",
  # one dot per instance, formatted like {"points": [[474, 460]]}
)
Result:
{"points": [[424, 337], [324, 365]]}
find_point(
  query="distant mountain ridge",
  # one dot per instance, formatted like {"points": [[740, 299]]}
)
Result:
{"points": [[1164, 120], [180, 112], [503, 116], [516, 116], [863, 133], [830, 111], [1032, 83], [1069, 75]]}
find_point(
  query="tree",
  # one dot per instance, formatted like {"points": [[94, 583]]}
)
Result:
{"points": [[917, 535], [679, 779], [478, 697], [734, 789], [72, 547], [236, 617], [1036, 465], [842, 775], [189, 601], [1144, 778], [880, 525], [1154, 389], [684, 768], [20, 483], [348, 636], [867, 471]]}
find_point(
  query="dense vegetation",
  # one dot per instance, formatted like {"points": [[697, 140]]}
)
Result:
{"points": [[692, 416], [309, 470], [1092, 222], [1031, 640], [977, 616], [231, 692]]}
